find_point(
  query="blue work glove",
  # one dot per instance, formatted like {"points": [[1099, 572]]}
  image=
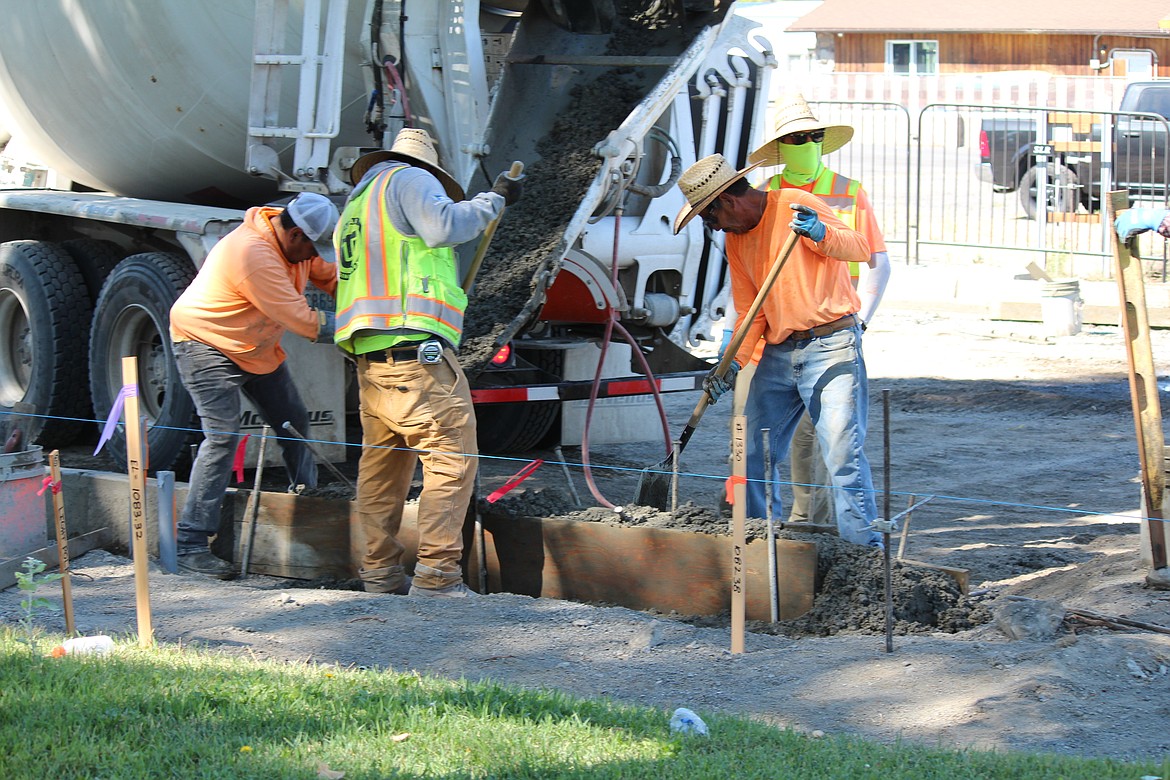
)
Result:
{"points": [[326, 326], [716, 386], [725, 342], [806, 222], [1134, 221]]}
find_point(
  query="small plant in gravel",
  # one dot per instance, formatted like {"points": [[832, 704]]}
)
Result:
{"points": [[29, 578]]}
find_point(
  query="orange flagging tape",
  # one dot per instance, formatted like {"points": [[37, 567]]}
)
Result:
{"points": [[730, 484]]}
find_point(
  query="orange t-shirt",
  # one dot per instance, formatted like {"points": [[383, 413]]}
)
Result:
{"points": [[247, 295], [814, 286]]}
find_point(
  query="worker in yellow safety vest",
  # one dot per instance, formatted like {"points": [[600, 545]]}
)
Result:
{"points": [[400, 315], [799, 143]]}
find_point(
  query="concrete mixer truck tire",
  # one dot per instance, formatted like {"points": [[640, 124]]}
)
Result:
{"points": [[95, 259], [132, 317], [44, 312]]}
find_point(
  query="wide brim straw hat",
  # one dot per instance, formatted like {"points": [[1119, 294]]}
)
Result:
{"points": [[795, 116], [703, 182], [412, 146]]}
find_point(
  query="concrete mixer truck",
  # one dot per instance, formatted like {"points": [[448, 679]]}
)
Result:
{"points": [[167, 119]]}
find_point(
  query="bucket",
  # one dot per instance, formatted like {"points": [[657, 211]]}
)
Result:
{"points": [[1060, 307], [24, 522]]}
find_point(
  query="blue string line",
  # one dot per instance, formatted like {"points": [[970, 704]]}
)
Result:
{"points": [[681, 474]]}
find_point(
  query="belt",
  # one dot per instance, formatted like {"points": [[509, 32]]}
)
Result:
{"points": [[391, 355], [848, 321]]}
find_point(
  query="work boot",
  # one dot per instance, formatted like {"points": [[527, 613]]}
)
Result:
{"points": [[390, 579], [455, 591], [446, 584], [204, 562]]}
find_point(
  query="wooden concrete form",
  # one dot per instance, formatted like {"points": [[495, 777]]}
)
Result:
{"points": [[632, 566], [643, 568], [636, 567]]}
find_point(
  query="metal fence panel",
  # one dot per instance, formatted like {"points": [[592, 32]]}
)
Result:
{"points": [[978, 201], [879, 157]]}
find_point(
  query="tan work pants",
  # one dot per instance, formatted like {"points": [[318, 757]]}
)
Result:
{"points": [[412, 412]]}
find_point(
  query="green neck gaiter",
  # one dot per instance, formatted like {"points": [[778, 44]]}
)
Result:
{"points": [[801, 163]]}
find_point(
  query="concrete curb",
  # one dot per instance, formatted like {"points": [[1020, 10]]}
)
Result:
{"points": [[1001, 294]]}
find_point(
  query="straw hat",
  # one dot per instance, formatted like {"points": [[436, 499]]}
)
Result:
{"points": [[702, 183], [412, 146], [794, 116]]}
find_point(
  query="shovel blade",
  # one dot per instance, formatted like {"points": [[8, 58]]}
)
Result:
{"points": [[654, 486]]}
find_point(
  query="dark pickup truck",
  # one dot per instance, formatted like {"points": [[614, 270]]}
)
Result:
{"points": [[1077, 171]]}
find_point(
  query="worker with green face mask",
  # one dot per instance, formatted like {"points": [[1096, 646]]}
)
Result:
{"points": [[798, 144]]}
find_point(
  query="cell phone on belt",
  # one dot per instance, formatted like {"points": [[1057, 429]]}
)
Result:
{"points": [[430, 352]]}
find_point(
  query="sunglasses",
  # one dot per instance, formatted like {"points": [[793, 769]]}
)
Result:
{"points": [[796, 139]]}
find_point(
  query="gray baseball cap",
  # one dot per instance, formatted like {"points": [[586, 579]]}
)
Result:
{"points": [[315, 214]]}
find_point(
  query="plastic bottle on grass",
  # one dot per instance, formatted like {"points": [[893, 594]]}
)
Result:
{"points": [[683, 721], [84, 645]]}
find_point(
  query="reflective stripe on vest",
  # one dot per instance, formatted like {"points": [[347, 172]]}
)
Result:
{"points": [[839, 194], [413, 286]]}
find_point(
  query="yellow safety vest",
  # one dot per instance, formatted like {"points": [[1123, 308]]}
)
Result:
{"points": [[388, 281], [840, 193]]}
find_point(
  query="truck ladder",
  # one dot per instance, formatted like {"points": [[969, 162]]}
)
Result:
{"points": [[318, 107]]}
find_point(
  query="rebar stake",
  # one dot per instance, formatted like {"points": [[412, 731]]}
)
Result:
{"points": [[886, 514], [568, 477], [773, 588]]}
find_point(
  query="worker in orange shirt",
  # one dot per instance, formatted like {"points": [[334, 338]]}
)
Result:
{"points": [[812, 355], [226, 329], [799, 142]]}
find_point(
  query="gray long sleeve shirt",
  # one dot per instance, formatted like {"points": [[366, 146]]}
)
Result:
{"points": [[419, 206]]}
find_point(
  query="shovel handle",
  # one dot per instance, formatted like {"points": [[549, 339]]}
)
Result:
{"points": [[765, 288], [515, 172], [738, 337]]}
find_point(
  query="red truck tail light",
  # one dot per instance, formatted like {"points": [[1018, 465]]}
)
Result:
{"points": [[984, 146], [501, 357]]}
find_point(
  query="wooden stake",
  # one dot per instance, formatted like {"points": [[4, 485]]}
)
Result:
{"points": [[135, 468], [1143, 385], [62, 540], [738, 533]]}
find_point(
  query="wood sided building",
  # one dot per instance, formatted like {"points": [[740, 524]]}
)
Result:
{"points": [[928, 37]]}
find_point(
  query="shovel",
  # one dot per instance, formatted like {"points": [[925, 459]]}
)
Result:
{"points": [[514, 173], [653, 485]]}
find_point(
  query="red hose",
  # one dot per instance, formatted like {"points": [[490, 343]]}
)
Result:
{"points": [[611, 323]]}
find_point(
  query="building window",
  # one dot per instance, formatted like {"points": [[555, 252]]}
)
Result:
{"points": [[912, 58]]}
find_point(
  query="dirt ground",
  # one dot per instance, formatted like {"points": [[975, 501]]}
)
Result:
{"points": [[1027, 442]]}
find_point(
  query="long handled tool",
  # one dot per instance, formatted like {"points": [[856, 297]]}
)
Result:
{"points": [[254, 504], [653, 485], [514, 173], [288, 426]]}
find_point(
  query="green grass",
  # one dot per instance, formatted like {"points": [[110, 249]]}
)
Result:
{"points": [[180, 713]]}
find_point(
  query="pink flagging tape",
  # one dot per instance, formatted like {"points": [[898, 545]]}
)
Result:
{"points": [[238, 463]]}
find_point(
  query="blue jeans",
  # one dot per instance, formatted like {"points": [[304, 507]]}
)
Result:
{"points": [[215, 382], [826, 375]]}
